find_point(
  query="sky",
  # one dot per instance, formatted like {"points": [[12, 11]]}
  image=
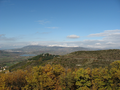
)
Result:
{"points": [[65, 23]]}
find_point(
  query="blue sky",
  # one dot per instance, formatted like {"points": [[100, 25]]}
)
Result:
{"points": [[84, 23]]}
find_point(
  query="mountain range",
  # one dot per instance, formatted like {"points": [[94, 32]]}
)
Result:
{"points": [[37, 49]]}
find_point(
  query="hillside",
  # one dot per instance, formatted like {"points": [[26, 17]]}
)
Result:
{"points": [[41, 59], [85, 59], [90, 59]]}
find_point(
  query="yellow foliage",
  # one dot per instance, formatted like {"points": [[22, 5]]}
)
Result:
{"points": [[57, 78], [15, 80]]}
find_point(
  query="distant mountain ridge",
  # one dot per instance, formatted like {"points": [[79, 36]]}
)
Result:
{"points": [[48, 49]]}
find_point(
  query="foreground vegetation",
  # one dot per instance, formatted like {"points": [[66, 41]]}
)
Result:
{"points": [[56, 77]]}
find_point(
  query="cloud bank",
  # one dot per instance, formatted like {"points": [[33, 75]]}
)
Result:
{"points": [[110, 40], [105, 33]]}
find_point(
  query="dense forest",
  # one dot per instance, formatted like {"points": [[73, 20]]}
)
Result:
{"points": [[56, 77]]}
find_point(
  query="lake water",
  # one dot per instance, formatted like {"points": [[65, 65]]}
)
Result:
{"points": [[28, 55]]}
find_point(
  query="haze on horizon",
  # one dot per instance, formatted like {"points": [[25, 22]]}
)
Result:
{"points": [[66, 23]]}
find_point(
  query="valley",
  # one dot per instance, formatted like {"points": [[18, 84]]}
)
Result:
{"points": [[12, 56]]}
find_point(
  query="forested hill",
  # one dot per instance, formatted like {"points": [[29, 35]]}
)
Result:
{"points": [[112, 54], [41, 59], [85, 59]]}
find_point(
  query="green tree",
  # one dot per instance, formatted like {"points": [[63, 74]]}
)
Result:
{"points": [[83, 79]]}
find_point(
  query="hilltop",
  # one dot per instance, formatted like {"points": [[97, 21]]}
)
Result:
{"points": [[41, 59]]}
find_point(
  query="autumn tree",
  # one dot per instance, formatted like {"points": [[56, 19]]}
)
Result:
{"points": [[13, 81], [115, 75]]}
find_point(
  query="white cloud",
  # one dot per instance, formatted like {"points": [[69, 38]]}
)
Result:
{"points": [[42, 22], [60, 45], [113, 37], [52, 27], [98, 44], [34, 43], [73, 36], [64, 45], [105, 33], [110, 43]]}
